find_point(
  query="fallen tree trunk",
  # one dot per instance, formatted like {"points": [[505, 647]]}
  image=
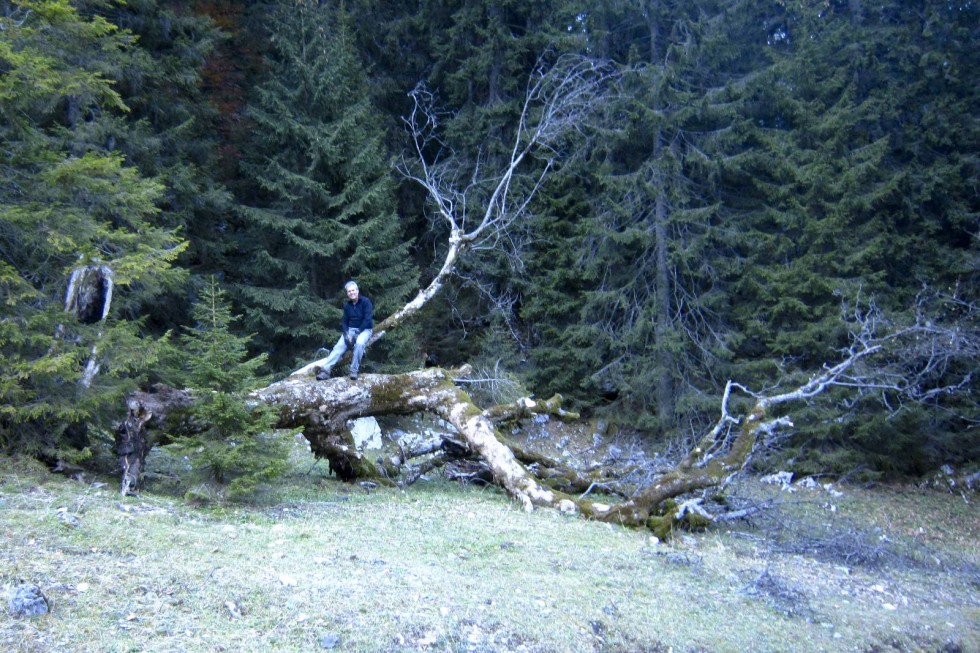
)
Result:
{"points": [[323, 408]]}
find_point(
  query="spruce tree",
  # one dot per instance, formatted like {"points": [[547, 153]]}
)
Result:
{"points": [[170, 133], [642, 322], [317, 199], [67, 206], [235, 444], [864, 139]]}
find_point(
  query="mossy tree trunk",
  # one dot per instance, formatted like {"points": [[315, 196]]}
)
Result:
{"points": [[323, 409]]}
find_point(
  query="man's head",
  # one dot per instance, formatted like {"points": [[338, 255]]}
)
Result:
{"points": [[351, 289]]}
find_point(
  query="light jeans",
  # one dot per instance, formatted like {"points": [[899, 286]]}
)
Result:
{"points": [[360, 338]]}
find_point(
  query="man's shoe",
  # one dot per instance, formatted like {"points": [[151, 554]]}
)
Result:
{"points": [[353, 376], [323, 375]]}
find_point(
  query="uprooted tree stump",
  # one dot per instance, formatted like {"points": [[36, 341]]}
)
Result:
{"points": [[132, 443]]}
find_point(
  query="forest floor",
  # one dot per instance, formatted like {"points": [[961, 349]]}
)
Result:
{"points": [[439, 566]]}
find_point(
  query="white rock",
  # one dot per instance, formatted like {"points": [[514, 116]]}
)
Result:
{"points": [[779, 478], [367, 433]]}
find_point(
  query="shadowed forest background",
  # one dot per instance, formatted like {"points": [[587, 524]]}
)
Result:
{"points": [[759, 180]]}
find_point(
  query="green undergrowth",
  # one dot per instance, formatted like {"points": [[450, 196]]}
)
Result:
{"points": [[437, 566]]}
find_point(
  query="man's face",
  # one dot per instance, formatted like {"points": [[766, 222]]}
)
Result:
{"points": [[352, 293]]}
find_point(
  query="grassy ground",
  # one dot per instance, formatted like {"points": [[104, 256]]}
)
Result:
{"points": [[440, 567]]}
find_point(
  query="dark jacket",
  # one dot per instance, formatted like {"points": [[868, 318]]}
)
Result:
{"points": [[359, 315]]}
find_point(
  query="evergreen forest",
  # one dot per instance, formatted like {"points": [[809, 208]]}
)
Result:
{"points": [[755, 183]]}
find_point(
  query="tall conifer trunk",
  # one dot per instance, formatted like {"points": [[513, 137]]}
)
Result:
{"points": [[661, 318], [665, 359]]}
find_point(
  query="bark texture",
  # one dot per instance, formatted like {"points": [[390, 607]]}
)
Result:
{"points": [[323, 409]]}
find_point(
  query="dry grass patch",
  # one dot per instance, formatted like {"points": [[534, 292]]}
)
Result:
{"points": [[439, 567]]}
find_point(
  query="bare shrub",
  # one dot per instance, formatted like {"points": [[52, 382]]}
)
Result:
{"points": [[782, 594]]}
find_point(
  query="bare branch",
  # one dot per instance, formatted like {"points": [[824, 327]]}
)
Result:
{"points": [[481, 212], [918, 361]]}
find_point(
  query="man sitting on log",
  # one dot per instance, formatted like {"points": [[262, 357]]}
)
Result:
{"points": [[355, 331]]}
